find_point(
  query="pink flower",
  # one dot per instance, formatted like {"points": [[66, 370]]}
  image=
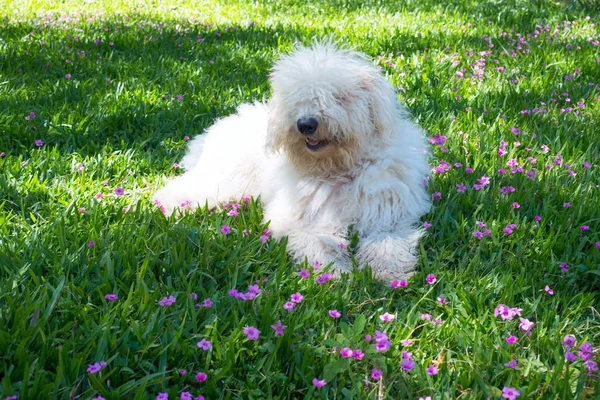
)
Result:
{"points": [[304, 273], [441, 300], [432, 370], [550, 291], [387, 317], [346, 352], [166, 301], [334, 314], [68, 76], [111, 297], [162, 396], [289, 306], [251, 332], [319, 383], [225, 230], [358, 354], [407, 342], [119, 191], [516, 205], [201, 376], [321, 279], [279, 328], [584, 228], [511, 339], [398, 284], [431, 279], [376, 374], [511, 364], [526, 324], [204, 344], [510, 393], [427, 225], [478, 235], [297, 297], [186, 396], [39, 142], [182, 372]]}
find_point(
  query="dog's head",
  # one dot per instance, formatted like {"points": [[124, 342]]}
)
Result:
{"points": [[329, 108]]}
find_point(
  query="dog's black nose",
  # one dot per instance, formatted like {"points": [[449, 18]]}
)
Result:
{"points": [[307, 126]]}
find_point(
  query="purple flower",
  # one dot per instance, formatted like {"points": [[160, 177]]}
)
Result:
{"points": [[387, 317], [297, 297], [346, 352], [526, 324], [279, 328], [358, 354], [251, 332], [398, 284], [511, 339], [93, 368], [510, 393], [592, 366], [201, 376], [431, 279], [569, 341], [204, 344], [511, 364], [571, 357], [304, 273], [289, 306], [376, 374], [167, 301], [321, 279], [162, 396], [39, 142], [225, 230], [407, 364], [319, 383], [587, 351], [432, 370], [111, 297], [119, 191], [334, 314]]}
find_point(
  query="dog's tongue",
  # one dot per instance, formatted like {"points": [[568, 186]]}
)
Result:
{"points": [[313, 142]]}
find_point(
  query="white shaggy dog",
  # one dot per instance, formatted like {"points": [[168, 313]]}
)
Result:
{"points": [[332, 148]]}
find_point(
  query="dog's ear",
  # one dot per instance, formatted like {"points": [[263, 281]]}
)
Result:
{"points": [[383, 103], [274, 127]]}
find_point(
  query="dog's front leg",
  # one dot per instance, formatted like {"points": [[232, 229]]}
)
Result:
{"points": [[391, 255]]}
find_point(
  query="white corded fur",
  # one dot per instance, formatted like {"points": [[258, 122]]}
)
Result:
{"points": [[370, 175]]}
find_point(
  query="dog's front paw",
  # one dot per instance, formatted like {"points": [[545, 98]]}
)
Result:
{"points": [[390, 257]]}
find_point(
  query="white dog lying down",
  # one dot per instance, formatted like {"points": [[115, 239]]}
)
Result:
{"points": [[332, 148]]}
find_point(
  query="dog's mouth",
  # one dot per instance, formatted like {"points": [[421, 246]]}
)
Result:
{"points": [[316, 145]]}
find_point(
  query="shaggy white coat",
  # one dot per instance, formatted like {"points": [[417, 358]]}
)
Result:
{"points": [[369, 175]]}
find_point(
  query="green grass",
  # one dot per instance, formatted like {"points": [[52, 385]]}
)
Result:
{"points": [[117, 122]]}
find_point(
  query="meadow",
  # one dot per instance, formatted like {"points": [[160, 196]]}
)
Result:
{"points": [[103, 297]]}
